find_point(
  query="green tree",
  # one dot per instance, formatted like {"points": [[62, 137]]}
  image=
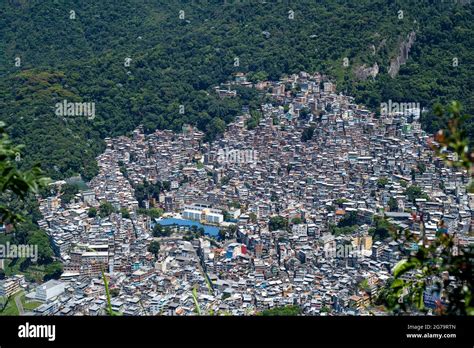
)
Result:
{"points": [[277, 223], [157, 230], [25, 264], [154, 213], [382, 229], [18, 204], [349, 219], [346, 230], [226, 215], [364, 285], [307, 134], [421, 167], [222, 234], [392, 204], [184, 71], [105, 209], [201, 231], [41, 239], [235, 204], [340, 201], [215, 127], [253, 217], [92, 212], [382, 182], [53, 271], [304, 113], [325, 309], [258, 76], [166, 185], [125, 213], [296, 221], [413, 192], [254, 119], [114, 292], [154, 248], [282, 311], [14, 182], [68, 191]]}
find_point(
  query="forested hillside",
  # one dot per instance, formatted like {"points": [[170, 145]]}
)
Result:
{"points": [[140, 60]]}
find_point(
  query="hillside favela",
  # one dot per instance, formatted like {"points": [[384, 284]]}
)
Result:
{"points": [[245, 158], [297, 212]]}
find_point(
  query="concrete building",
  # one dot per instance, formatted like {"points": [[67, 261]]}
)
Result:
{"points": [[49, 290], [9, 286]]}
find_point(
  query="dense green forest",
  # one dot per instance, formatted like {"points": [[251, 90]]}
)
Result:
{"points": [[140, 60], [19, 213]]}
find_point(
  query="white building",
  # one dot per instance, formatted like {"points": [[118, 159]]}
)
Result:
{"points": [[214, 218], [88, 197], [300, 229], [235, 213], [49, 290], [192, 214], [197, 213]]}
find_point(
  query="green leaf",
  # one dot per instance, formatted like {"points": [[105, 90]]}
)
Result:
{"points": [[397, 283], [196, 303], [404, 266]]}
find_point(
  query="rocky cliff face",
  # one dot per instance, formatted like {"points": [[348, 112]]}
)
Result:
{"points": [[363, 72], [402, 55]]}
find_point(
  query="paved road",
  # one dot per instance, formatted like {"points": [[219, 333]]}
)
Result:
{"points": [[18, 303]]}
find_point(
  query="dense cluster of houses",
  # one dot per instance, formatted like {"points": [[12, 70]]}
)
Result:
{"points": [[317, 160]]}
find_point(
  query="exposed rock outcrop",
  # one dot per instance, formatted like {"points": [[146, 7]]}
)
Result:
{"points": [[363, 72], [402, 55]]}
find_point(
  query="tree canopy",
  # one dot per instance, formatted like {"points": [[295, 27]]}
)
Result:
{"points": [[143, 64]]}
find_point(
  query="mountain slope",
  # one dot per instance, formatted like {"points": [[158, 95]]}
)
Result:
{"points": [[177, 57]]}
